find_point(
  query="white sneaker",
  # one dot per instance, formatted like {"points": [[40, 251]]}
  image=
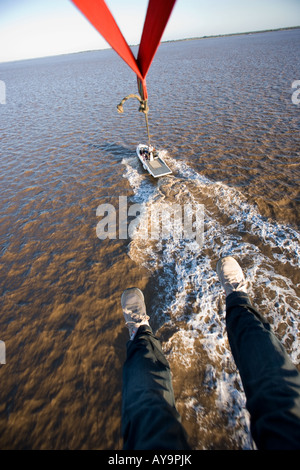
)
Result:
{"points": [[134, 310], [231, 275]]}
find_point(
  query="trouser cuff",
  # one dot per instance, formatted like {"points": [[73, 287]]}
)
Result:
{"points": [[242, 300], [236, 299]]}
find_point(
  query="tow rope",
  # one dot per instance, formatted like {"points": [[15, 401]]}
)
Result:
{"points": [[157, 17], [144, 108]]}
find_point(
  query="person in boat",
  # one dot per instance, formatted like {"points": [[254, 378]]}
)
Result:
{"points": [[144, 153], [271, 381], [151, 151]]}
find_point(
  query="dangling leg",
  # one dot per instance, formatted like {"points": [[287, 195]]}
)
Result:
{"points": [[149, 416]]}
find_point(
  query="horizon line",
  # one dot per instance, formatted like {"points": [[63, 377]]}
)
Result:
{"points": [[195, 38]]}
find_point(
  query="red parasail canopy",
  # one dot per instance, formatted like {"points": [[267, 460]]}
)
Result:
{"points": [[158, 14]]}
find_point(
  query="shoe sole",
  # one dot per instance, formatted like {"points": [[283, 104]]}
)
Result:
{"points": [[130, 289], [219, 264]]}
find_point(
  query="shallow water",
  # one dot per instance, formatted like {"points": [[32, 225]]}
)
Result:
{"points": [[221, 113]]}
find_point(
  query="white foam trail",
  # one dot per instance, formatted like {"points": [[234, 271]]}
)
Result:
{"points": [[247, 218], [189, 289]]}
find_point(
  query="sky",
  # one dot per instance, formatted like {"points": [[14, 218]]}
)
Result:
{"points": [[39, 28]]}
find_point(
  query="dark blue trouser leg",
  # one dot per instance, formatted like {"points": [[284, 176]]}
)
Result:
{"points": [[270, 380], [149, 416]]}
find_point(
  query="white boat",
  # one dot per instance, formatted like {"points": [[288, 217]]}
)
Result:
{"points": [[151, 161]]}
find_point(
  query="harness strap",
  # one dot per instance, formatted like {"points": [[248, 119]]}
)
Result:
{"points": [[144, 108]]}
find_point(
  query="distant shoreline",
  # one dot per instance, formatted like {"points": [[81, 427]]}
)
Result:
{"points": [[288, 28], [231, 34]]}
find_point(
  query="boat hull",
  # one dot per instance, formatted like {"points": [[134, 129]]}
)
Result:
{"points": [[156, 166]]}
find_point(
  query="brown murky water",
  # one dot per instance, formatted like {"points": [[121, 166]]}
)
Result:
{"points": [[222, 114]]}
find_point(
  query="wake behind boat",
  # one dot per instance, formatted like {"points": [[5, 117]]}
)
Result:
{"points": [[151, 161]]}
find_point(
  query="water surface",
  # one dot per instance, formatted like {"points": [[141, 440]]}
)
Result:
{"points": [[221, 113]]}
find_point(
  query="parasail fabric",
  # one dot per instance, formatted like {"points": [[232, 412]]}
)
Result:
{"points": [[157, 17], [158, 14], [97, 12]]}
